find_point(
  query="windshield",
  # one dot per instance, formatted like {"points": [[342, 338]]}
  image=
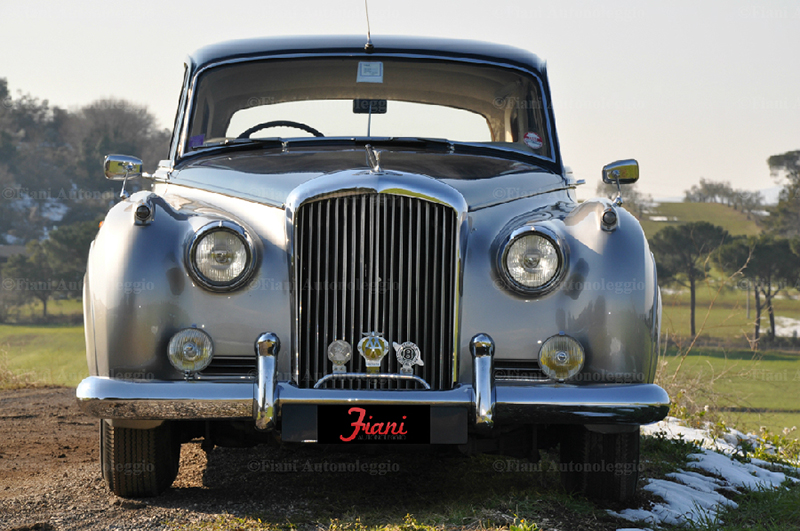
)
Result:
{"points": [[384, 97]]}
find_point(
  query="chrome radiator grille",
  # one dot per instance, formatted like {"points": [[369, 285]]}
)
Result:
{"points": [[375, 263]]}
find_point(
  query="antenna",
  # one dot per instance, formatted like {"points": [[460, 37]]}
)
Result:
{"points": [[369, 46]]}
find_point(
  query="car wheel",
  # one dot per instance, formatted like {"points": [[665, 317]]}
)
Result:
{"points": [[603, 466], [139, 463]]}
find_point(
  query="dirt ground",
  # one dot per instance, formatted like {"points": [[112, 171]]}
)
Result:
{"points": [[50, 473], [50, 480]]}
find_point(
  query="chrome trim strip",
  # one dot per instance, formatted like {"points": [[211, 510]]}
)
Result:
{"points": [[482, 349], [523, 380], [369, 376], [549, 403], [461, 396], [267, 347]]}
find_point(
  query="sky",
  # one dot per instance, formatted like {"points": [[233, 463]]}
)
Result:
{"points": [[691, 89]]}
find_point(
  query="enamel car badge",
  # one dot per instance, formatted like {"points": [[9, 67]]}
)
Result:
{"points": [[339, 352], [373, 348], [408, 355]]}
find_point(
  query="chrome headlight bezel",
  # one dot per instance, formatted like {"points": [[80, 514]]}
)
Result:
{"points": [[250, 259], [550, 237]]}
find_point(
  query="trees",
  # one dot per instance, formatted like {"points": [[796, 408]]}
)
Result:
{"points": [[101, 128], [54, 265], [30, 277], [635, 201], [784, 218], [768, 264], [51, 160], [683, 253], [710, 192], [33, 158], [722, 192], [53, 188], [67, 248]]}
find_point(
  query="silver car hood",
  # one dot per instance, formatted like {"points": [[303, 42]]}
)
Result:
{"points": [[271, 178]]}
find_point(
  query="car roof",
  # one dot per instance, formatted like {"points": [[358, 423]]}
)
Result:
{"points": [[355, 45]]}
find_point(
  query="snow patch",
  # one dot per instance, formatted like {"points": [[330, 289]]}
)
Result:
{"points": [[691, 496], [786, 327]]}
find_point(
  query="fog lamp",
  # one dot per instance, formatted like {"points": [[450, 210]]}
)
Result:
{"points": [[561, 357], [190, 350]]}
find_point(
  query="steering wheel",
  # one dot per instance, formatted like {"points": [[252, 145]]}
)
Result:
{"points": [[280, 123]]}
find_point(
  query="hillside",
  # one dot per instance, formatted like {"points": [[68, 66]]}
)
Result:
{"points": [[734, 221]]}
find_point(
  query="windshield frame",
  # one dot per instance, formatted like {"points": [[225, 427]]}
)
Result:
{"points": [[551, 161]]}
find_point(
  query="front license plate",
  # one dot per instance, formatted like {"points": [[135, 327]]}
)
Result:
{"points": [[374, 424]]}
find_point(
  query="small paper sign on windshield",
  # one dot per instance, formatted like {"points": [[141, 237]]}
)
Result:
{"points": [[370, 72]]}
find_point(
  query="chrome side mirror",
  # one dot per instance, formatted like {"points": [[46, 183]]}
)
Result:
{"points": [[122, 168], [621, 172]]}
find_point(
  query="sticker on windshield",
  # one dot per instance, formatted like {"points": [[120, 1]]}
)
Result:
{"points": [[196, 141], [532, 140], [370, 72]]}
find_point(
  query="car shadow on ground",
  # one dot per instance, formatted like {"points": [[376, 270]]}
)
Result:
{"points": [[308, 486]]}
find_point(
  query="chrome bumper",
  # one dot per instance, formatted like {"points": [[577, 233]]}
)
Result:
{"points": [[487, 401]]}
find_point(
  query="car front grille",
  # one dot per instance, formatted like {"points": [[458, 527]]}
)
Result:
{"points": [[523, 371], [375, 263], [230, 367]]}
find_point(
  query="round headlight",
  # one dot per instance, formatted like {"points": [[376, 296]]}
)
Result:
{"points": [[561, 357], [531, 261], [221, 256], [190, 350]]}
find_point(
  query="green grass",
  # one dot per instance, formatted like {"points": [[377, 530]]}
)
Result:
{"points": [[58, 311], [42, 355], [721, 315], [768, 383], [734, 221], [760, 510], [660, 455]]}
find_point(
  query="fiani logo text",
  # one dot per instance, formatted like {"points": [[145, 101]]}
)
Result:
{"points": [[372, 428]]}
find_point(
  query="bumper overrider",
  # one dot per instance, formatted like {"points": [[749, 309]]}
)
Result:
{"points": [[269, 402]]}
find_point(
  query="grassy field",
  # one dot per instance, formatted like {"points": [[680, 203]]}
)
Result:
{"points": [[42, 355], [734, 221], [747, 390], [59, 311], [721, 315]]}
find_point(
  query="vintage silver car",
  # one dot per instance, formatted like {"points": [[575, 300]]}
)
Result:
{"points": [[369, 244]]}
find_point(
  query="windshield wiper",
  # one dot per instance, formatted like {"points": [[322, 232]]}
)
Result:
{"points": [[260, 142], [451, 146], [236, 144], [440, 145]]}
